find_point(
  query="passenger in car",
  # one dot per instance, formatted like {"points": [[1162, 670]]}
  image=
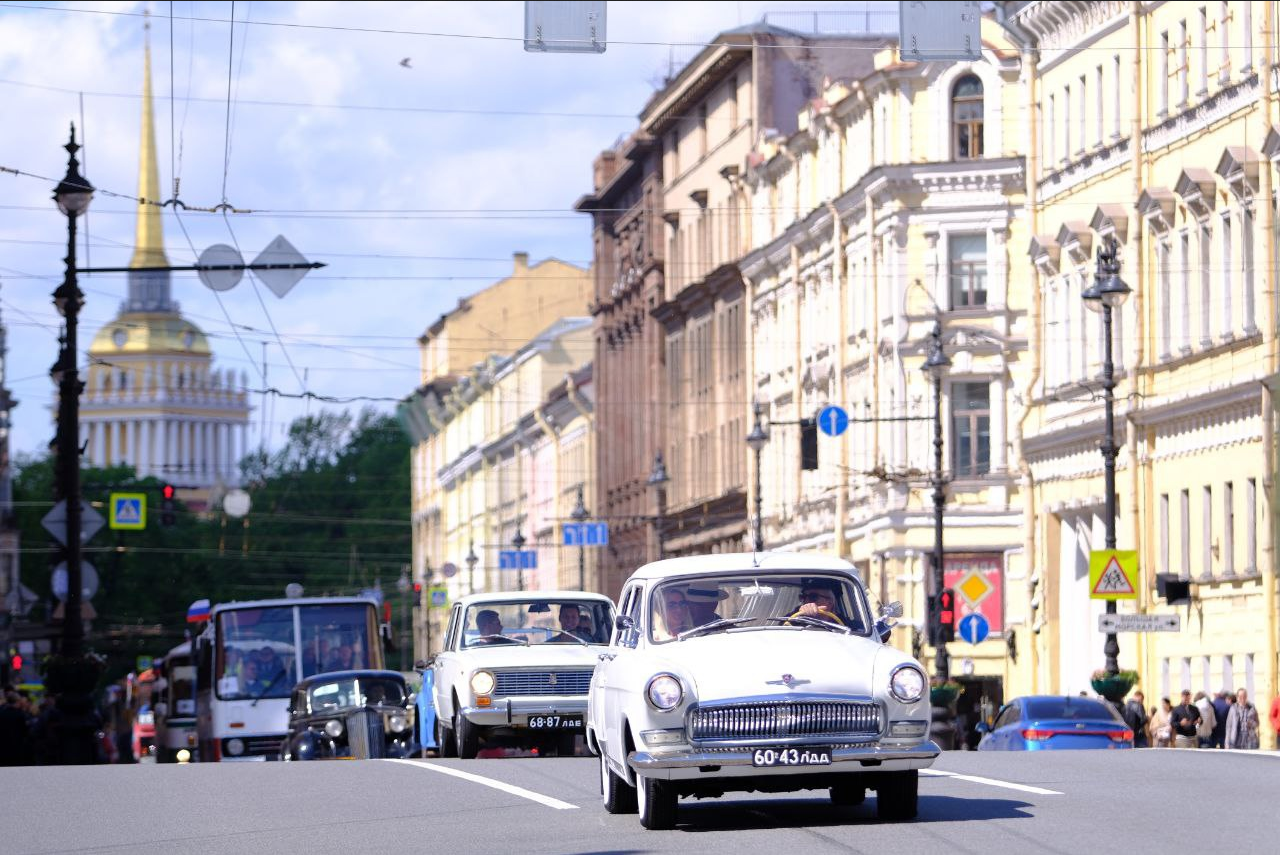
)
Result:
{"points": [[702, 599], [672, 614], [571, 628]]}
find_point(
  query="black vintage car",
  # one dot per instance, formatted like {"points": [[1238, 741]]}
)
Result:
{"points": [[350, 714]]}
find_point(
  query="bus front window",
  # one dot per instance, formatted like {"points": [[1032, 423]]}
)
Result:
{"points": [[256, 653], [339, 637]]}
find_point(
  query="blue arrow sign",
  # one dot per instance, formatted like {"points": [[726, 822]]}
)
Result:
{"points": [[597, 533], [974, 628], [572, 535], [833, 421], [508, 559]]}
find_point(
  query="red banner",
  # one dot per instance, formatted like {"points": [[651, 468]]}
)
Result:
{"points": [[978, 580]]}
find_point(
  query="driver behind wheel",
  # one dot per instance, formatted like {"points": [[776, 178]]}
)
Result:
{"points": [[819, 598], [488, 624]]}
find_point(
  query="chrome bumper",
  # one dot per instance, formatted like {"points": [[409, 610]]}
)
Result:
{"points": [[737, 762], [515, 712]]}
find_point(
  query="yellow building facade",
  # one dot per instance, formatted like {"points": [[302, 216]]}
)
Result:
{"points": [[897, 205], [1154, 125]]}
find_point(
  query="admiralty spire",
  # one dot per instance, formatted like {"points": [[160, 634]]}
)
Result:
{"points": [[154, 400]]}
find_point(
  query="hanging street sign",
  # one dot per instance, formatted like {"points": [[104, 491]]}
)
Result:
{"points": [[88, 581], [974, 628], [934, 30], [286, 266], [584, 534], [55, 522], [1139, 623], [833, 421], [517, 559], [449, 570], [221, 267], [1113, 574], [128, 511]]}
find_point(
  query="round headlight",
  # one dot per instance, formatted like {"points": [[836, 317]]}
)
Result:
{"points": [[398, 723], [235, 747], [907, 684], [482, 682], [333, 728], [664, 692]]}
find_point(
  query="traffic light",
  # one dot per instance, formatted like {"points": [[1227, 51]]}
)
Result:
{"points": [[166, 505], [943, 623], [15, 665], [808, 444]]}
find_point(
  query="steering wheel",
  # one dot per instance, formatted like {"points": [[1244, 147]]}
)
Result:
{"points": [[820, 614]]}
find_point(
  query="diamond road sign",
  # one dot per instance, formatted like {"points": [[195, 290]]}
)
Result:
{"points": [[1139, 623], [55, 522], [280, 281]]}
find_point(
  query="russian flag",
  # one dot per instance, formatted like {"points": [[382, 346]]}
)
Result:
{"points": [[198, 612]]}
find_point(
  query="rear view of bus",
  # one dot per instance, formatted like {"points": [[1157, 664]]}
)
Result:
{"points": [[175, 709], [252, 654]]}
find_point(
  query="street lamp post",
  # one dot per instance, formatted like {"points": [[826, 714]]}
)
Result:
{"points": [[1108, 292], [756, 441], [658, 480], [935, 366], [518, 542], [472, 559], [404, 586], [579, 515]]}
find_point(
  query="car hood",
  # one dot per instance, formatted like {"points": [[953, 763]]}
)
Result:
{"points": [[537, 656], [781, 662]]}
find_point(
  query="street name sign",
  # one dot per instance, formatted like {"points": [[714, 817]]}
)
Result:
{"points": [[517, 559], [1113, 574], [585, 534], [833, 421], [128, 511], [55, 522], [1139, 623]]}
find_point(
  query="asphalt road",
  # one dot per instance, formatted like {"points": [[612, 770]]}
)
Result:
{"points": [[1151, 801]]}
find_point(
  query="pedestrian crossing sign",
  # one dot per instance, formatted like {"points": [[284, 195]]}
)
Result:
{"points": [[1113, 574], [128, 511]]}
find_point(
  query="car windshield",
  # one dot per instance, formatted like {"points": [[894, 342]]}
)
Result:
{"points": [[695, 605], [538, 621], [1072, 709], [354, 692]]}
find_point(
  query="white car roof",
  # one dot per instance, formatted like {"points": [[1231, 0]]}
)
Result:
{"points": [[526, 596], [728, 562]]}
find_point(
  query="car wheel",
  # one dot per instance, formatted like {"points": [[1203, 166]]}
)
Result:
{"points": [[848, 795], [897, 795], [445, 746], [657, 802], [616, 794], [467, 736]]}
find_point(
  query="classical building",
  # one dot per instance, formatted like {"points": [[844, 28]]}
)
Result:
{"points": [[153, 399], [503, 433], [1155, 125], [895, 205]]}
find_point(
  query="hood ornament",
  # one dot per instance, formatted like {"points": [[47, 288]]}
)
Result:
{"points": [[787, 680]]}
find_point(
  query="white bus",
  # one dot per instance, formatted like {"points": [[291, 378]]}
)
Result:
{"points": [[250, 656], [175, 704]]}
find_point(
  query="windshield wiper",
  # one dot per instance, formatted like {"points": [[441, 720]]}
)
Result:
{"points": [[267, 687], [510, 638], [576, 638], [807, 621], [723, 623]]}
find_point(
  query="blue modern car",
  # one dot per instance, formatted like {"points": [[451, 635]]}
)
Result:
{"points": [[1055, 723]]}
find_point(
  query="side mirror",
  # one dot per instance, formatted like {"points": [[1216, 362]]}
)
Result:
{"points": [[413, 699], [884, 629], [622, 623], [424, 664], [891, 610]]}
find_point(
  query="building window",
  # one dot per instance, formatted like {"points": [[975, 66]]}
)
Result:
{"points": [[1206, 551], [1049, 133], [1227, 260], [1206, 312], [1185, 533], [966, 118], [674, 147], [1246, 266], [1163, 81], [1184, 298], [702, 130], [1228, 529], [1097, 100], [1166, 298], [967, 262], [1224, 67], [1251, 526], [1164, 533], [1084, 99], [1066, 124], [1204, 51], [1246, 25], [971, 415], [1184, 93], [1115, 98]]}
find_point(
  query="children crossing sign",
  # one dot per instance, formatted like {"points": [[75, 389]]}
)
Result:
{"points": [[128, 511], [1113, 574]]}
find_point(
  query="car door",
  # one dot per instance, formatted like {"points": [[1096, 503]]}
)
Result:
{"points": [[443, 666], [1006, 728], [620, 644]]}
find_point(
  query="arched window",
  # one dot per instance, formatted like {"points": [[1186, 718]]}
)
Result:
{"points": [[966, 118]]}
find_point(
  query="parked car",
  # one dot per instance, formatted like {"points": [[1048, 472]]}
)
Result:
{"points": [[755, 672], [356, 715], [1055, 723], [515, 669]]}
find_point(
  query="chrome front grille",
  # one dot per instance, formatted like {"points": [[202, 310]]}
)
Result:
{"points": [[520, 683], [838, 720]]}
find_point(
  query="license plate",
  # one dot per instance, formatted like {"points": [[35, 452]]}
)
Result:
{"points": [[791, 757], [555, 722]]}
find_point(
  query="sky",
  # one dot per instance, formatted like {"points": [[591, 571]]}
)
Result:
{"points": [[412, 147]]}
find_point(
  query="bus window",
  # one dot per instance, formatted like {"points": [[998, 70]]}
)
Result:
{"points": [[256, 653], [338, 638]]}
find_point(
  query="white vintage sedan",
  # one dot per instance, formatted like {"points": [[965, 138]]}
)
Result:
{"points": [[761, 672], [515, 669]]}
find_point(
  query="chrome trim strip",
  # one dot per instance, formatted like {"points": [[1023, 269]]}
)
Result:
{"points": [[645, 760]]}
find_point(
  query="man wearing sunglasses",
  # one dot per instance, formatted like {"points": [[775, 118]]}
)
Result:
{"points": [[819, 598]]}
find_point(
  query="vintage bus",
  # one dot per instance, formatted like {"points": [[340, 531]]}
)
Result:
{"points": [[175, 707], [251, 654]]}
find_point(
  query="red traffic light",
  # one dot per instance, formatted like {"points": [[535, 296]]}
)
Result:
{"points": [[947, 607], [16, 663], [167, 491], [417, 587]]}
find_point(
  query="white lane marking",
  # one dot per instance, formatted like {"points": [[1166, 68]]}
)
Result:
{"points": [[991, 782], [1257, 752], [489, 782]]}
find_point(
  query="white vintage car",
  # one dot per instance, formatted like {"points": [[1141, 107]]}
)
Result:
{"points": [[761, 672], [515, 668]]}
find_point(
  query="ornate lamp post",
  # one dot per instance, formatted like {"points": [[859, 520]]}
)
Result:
{"points": [[658, 480], [935, 367], [472, 559], [404, 586], [1108, 292], [579, 515], [518, 542], [756, 441]]}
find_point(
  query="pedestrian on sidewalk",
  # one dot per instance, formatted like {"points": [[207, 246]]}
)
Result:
{"points": [[1221, 707], [1275, 715], [1135, 715], [1208, 720], [1160, 725], [1186, 723], [1242, 723]]}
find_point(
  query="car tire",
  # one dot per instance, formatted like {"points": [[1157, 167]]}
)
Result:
{"points": [[616, 794], [445, 745], [657, 802], [467, 736], [897, 795], [848, 795]]}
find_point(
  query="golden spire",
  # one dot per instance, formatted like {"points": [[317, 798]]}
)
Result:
{"points": [[148, 248]]}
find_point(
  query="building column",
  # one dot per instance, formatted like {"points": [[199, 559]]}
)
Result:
{"points": [[99, 442], [179, 448], [166, 449]]}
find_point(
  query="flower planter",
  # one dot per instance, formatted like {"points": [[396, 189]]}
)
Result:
{"points": [[1114, 688], [944, 695]]}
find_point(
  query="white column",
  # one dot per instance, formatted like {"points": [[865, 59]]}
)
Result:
{"points": [[128, 455], [179, 448], [98, 444]]}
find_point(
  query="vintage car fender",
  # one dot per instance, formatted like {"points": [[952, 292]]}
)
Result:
{"points": [[426, 723]]}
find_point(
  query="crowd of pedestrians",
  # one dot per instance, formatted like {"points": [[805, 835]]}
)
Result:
{"points": [[1227, 720], [26, 729]]}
